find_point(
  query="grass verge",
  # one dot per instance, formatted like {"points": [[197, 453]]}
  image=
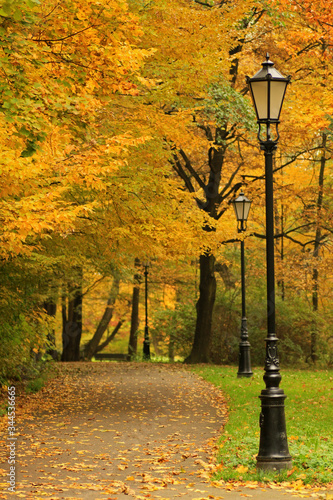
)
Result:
{"points": [[308, 409]]}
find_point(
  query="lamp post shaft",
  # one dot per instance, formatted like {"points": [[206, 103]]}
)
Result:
{"points": [[270, 271], [244, 366], [146, 342], [273, 447], [242, 207], [243, 279]]}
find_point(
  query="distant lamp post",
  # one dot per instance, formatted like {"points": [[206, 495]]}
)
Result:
{"points": [[146, 342], [242, 208], [268, 89]]}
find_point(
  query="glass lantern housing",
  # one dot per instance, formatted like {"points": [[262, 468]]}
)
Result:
{"points": [[268, 88], [242, 207]]}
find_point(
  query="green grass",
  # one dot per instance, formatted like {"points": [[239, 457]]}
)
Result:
{"points": [[38, 377], [309, 418], [35, 385]]}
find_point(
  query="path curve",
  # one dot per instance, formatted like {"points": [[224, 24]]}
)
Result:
{"points": [[121, 431]]}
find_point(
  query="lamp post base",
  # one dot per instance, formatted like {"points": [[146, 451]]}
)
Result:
{"points": [[274, 465], [146, 351], [146, 345], [242, 374], [244, 366], [273, 448]]}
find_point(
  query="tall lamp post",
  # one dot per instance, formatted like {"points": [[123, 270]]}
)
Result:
{"points": [[146, 342], [242, 208], [268, 89]]}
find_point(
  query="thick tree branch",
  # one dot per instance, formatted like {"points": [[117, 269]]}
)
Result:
{"points": [[227, 195], [207, 131], [191, 170], [223, 193], [177, 166], [110, 337]]}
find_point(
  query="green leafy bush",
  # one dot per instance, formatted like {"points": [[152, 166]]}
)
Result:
{"points": [[295, 322], [173, 329]]}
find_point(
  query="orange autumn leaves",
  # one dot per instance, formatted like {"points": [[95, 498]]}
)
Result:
{"points": [[89, 103], [54, 78]]}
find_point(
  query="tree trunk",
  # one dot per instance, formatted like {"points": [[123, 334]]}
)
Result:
{"points": [[91, 347], [214, 206], [133, 338], [314, 330], [317, 242], [202, 339], [72, 321], [51, 308], [110, 337], [171, 349]]}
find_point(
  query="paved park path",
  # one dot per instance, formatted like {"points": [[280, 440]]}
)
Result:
{"points": [[122, 431]]}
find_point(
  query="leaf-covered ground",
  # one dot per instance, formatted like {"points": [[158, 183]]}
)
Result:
{"points": [[121, 430]]}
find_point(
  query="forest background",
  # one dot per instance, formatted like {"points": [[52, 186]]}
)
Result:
{"points": [[126, 130]]}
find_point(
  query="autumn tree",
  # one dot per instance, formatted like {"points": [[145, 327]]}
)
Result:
{"points": [[209, 153], [58, 64], [126, 131], [305, 41]]}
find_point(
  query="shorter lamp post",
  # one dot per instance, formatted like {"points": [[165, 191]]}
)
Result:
{"points": [[146, 342], [242, 208]]}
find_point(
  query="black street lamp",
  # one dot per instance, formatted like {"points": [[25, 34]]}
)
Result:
{"points": [[242, 208], [268, 89], [146, 342]]}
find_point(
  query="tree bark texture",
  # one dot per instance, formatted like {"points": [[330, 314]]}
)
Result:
{"points": [[202, 338], [72, 321]]}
